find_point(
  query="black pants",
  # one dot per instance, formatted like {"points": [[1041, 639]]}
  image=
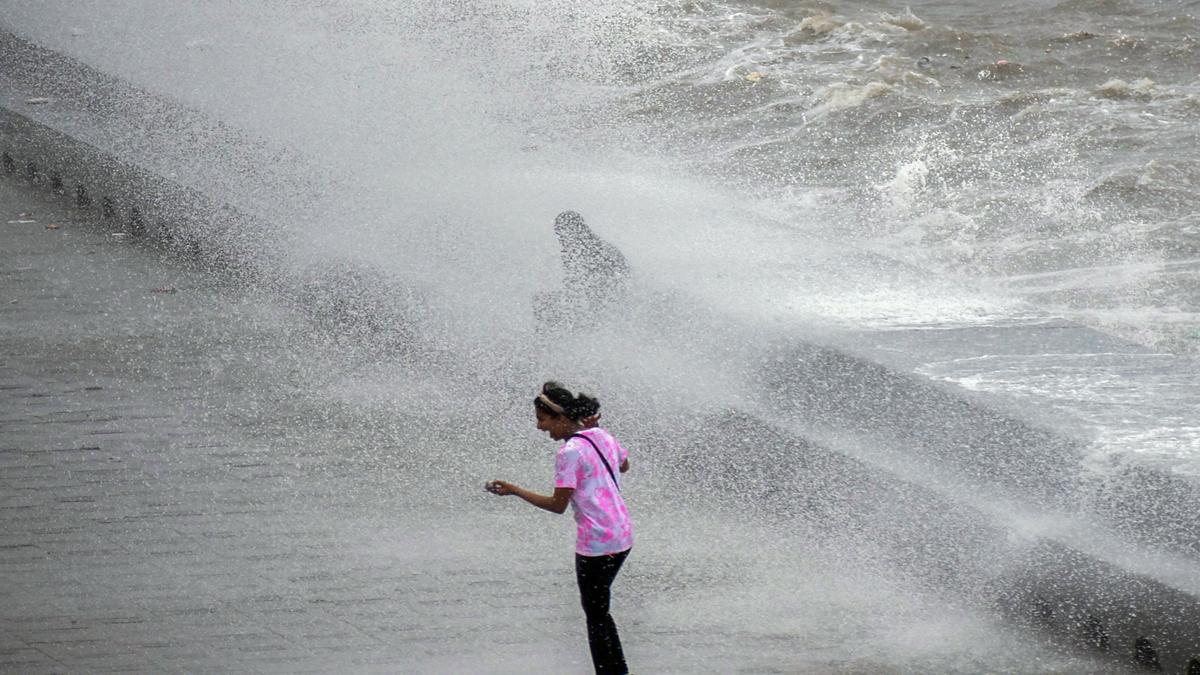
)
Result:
{"points": [[595, 576]]}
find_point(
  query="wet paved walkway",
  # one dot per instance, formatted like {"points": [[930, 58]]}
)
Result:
{"points": [[190, 482], [149, 520]]}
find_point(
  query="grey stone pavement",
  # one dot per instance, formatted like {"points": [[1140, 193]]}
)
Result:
{"points": [[151, 520], [192, 481]]}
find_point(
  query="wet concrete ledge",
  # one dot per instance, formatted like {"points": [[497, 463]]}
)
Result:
{"points": [[1056, 587], [1046, 585], [134, 201], [988, 439]]}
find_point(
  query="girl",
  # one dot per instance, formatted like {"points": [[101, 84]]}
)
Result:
{"points": [[585, 476]]}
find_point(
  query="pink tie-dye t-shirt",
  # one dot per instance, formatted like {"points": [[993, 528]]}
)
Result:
{"points": [[601, 516]]}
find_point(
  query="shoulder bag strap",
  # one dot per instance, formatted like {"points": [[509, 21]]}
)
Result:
{"points": [[601, 455]]}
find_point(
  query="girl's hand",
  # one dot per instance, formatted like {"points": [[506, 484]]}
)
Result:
{"points": [[499, 487]]}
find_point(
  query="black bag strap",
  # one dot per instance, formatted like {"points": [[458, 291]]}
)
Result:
{"points": [[611, 475]]}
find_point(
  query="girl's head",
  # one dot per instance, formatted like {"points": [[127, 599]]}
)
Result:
{"points": [[561, 413]]}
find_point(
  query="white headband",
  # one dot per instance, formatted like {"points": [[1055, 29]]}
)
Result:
{"points": [[552, 405]]}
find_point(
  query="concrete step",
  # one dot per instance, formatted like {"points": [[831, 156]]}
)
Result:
{"points": [[992, 440], [1066, 588]]}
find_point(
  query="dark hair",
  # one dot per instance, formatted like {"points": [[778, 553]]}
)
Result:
{"points": [[577, 408], [570, 225]]}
